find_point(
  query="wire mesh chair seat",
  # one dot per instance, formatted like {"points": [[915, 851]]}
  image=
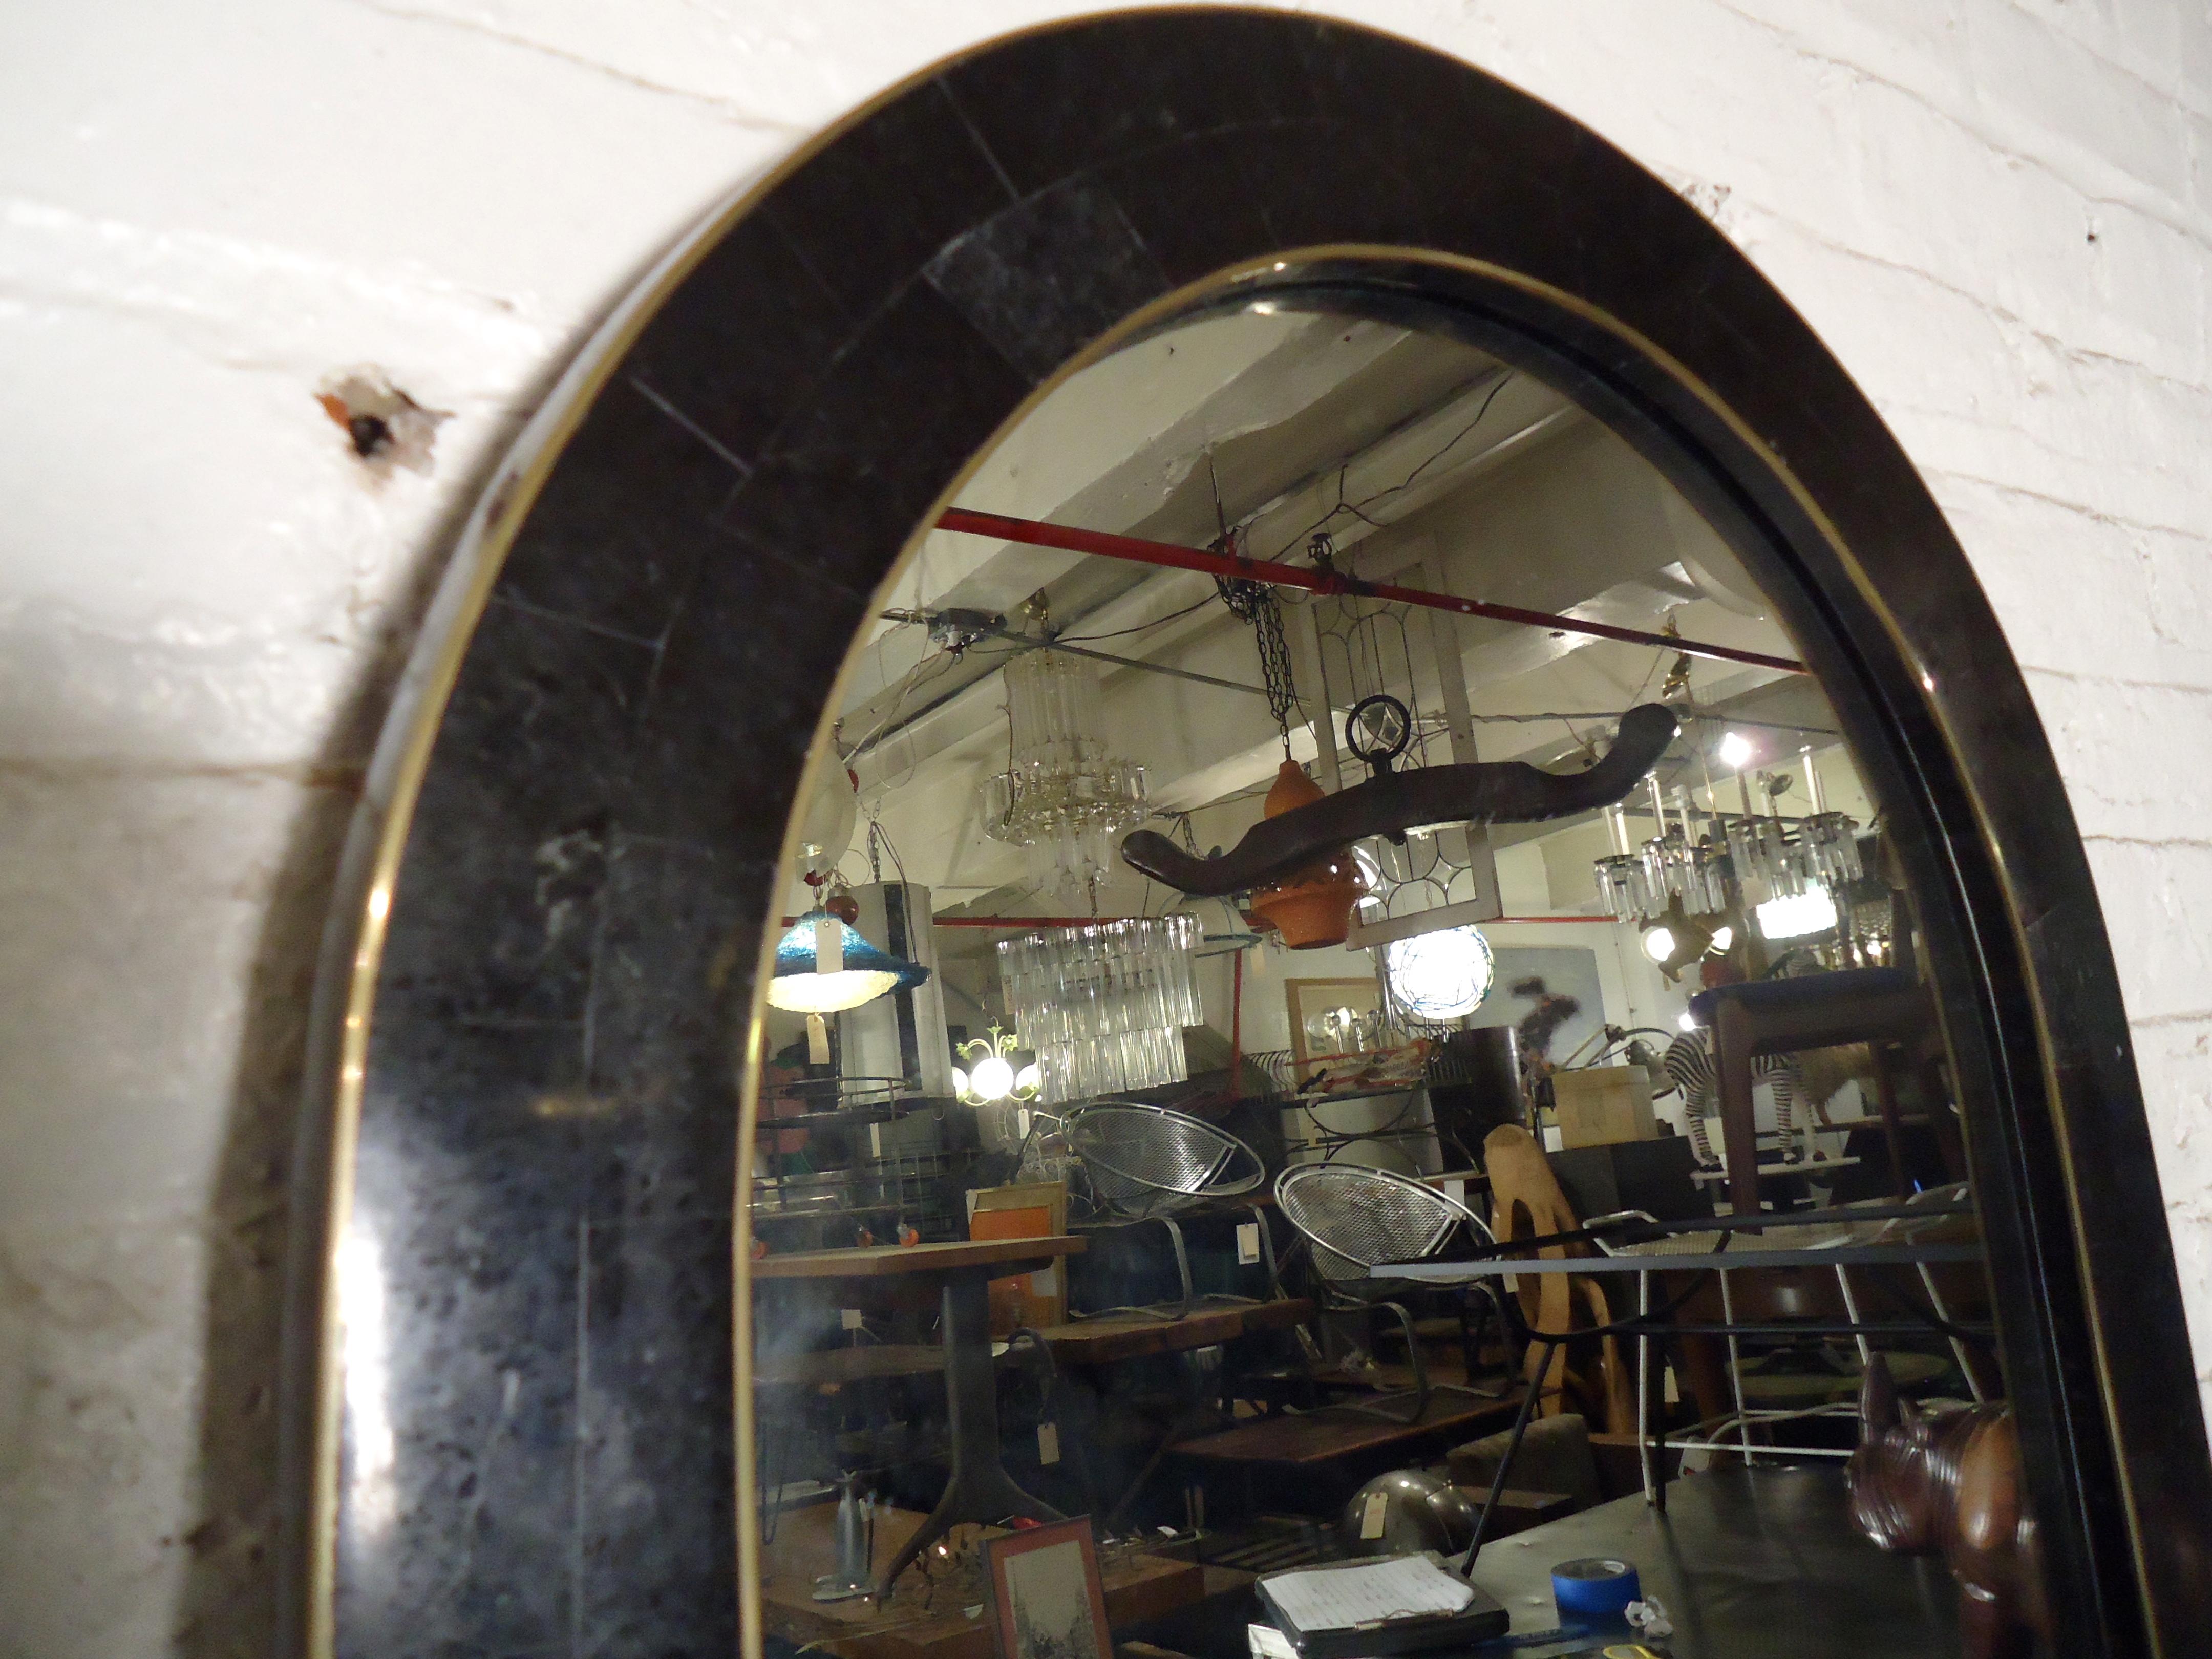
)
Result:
{"points": [[1149, 1163], [1353, 1219], [1146, 1161]]}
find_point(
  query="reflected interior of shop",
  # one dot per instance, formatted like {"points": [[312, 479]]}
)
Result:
{"points": [[1345, 1002]]}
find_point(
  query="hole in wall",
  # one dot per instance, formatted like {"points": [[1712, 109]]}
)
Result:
{"points": [[385, 427]]}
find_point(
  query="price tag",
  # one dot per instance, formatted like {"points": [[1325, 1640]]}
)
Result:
{"points": [[829, 945], [849, 1318], [1373, 1513], [1247, 1244], [1047, 1442]]}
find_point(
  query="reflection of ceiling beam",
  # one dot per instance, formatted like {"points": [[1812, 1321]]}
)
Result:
{"points": [[1331, 582]]}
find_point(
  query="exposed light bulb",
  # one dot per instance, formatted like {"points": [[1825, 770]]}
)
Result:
{"points": [[1659, 943], [1723, 936], [1029, 1080], [1812, 911], [991, 1080], [1736, 752], [1686, 1021], [959, 1083]]}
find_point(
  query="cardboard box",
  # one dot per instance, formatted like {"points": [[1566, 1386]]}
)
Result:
{"points": [[1603, 1105], [1036, 1209]]}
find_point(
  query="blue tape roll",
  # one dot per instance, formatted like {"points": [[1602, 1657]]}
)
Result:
{"points": [[1596, 1587]]}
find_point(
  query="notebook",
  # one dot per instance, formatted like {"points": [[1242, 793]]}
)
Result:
{"points": [[1380, 1606]]}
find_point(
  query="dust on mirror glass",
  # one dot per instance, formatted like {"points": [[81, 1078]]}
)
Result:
{"points": [[1350, 1030]]}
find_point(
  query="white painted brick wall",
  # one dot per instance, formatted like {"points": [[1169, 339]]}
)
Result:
{"points": [[203, 210]]}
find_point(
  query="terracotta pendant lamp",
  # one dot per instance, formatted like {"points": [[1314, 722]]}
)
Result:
{"points": [[1311, 908]]}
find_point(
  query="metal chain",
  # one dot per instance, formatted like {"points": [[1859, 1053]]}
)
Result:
{"points": [[1255, 602]]}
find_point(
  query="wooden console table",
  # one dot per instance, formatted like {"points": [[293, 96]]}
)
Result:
{"points": [[979, 1488]]}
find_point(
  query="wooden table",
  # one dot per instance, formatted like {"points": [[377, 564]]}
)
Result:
{"points": [[1083, 1342], [1336, 1433], [1103, 1341], [979, 1487], [1137, 1588]]}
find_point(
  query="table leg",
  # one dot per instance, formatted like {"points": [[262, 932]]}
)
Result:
{"points": [[1652, 1493], [979, 1487]]}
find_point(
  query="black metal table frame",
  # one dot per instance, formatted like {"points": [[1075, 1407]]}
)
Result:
{"points": [[1645, 1325]]}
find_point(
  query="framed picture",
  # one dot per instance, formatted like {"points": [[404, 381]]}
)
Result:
{"points": [[1046, 1590], [1332, 1018]]}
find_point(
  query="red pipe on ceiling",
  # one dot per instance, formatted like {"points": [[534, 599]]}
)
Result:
{"points": [[1315, 581], [1015, 923]]}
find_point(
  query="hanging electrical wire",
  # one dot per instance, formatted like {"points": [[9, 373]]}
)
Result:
{"points": [[1140, 628], [1357, 508]]}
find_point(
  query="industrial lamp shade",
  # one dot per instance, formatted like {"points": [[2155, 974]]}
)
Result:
{"points": [[825, 966]]}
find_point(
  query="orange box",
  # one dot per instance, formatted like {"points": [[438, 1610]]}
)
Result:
{"points": [[1036, 1209]]}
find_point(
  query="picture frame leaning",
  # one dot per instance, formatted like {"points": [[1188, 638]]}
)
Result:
{"points": [[1046, 1596]]}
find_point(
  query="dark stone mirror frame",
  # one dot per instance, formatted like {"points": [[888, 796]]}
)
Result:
{"points": [[518, 1153]]}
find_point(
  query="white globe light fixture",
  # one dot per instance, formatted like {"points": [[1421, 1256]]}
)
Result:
{"points": [[1440, 976], [991, 1080], [990, 1076]]}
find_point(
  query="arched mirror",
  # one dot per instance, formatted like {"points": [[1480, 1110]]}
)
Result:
{"points": [[1195, 866]]}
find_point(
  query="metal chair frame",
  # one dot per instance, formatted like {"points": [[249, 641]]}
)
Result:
{"points": [[1451, 1215], [1119, 1196]]}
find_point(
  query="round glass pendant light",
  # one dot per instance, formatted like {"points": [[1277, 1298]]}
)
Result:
{"points": [[1440, 976]]}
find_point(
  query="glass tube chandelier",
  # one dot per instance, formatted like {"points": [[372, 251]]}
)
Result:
{"points": [[1103, 1006], [1767, 865]]}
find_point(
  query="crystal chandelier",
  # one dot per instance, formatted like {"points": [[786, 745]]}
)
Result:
{"points": [[1061, 793], [1766, 864], [1103, 1006]]}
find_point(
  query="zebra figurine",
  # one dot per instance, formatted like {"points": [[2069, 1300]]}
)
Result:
{"points": [[1689, 1061]]}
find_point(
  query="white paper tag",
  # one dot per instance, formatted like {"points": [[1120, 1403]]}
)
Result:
{"points": [[1455, 1190], [875, 1140], [1247, 1244], [849, 1318], [817, 1040], [829, 945], [1047, 1442], [1373, 1514], [1045, 1281]]}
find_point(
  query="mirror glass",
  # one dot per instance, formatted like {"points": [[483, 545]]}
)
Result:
{"points": [[1321, 817]]}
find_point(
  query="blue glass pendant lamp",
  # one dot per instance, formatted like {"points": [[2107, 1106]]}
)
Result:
{"points": [[825, 966]]}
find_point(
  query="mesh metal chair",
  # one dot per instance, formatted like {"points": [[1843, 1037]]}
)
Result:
{"points": [[1354, 1218], [1148, 1163]]}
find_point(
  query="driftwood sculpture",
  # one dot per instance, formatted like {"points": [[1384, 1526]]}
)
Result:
{"points": [[1949, 1482], [1390, 803]]}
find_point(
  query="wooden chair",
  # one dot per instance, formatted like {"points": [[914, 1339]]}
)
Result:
{"points": [[1527, 1202]]}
